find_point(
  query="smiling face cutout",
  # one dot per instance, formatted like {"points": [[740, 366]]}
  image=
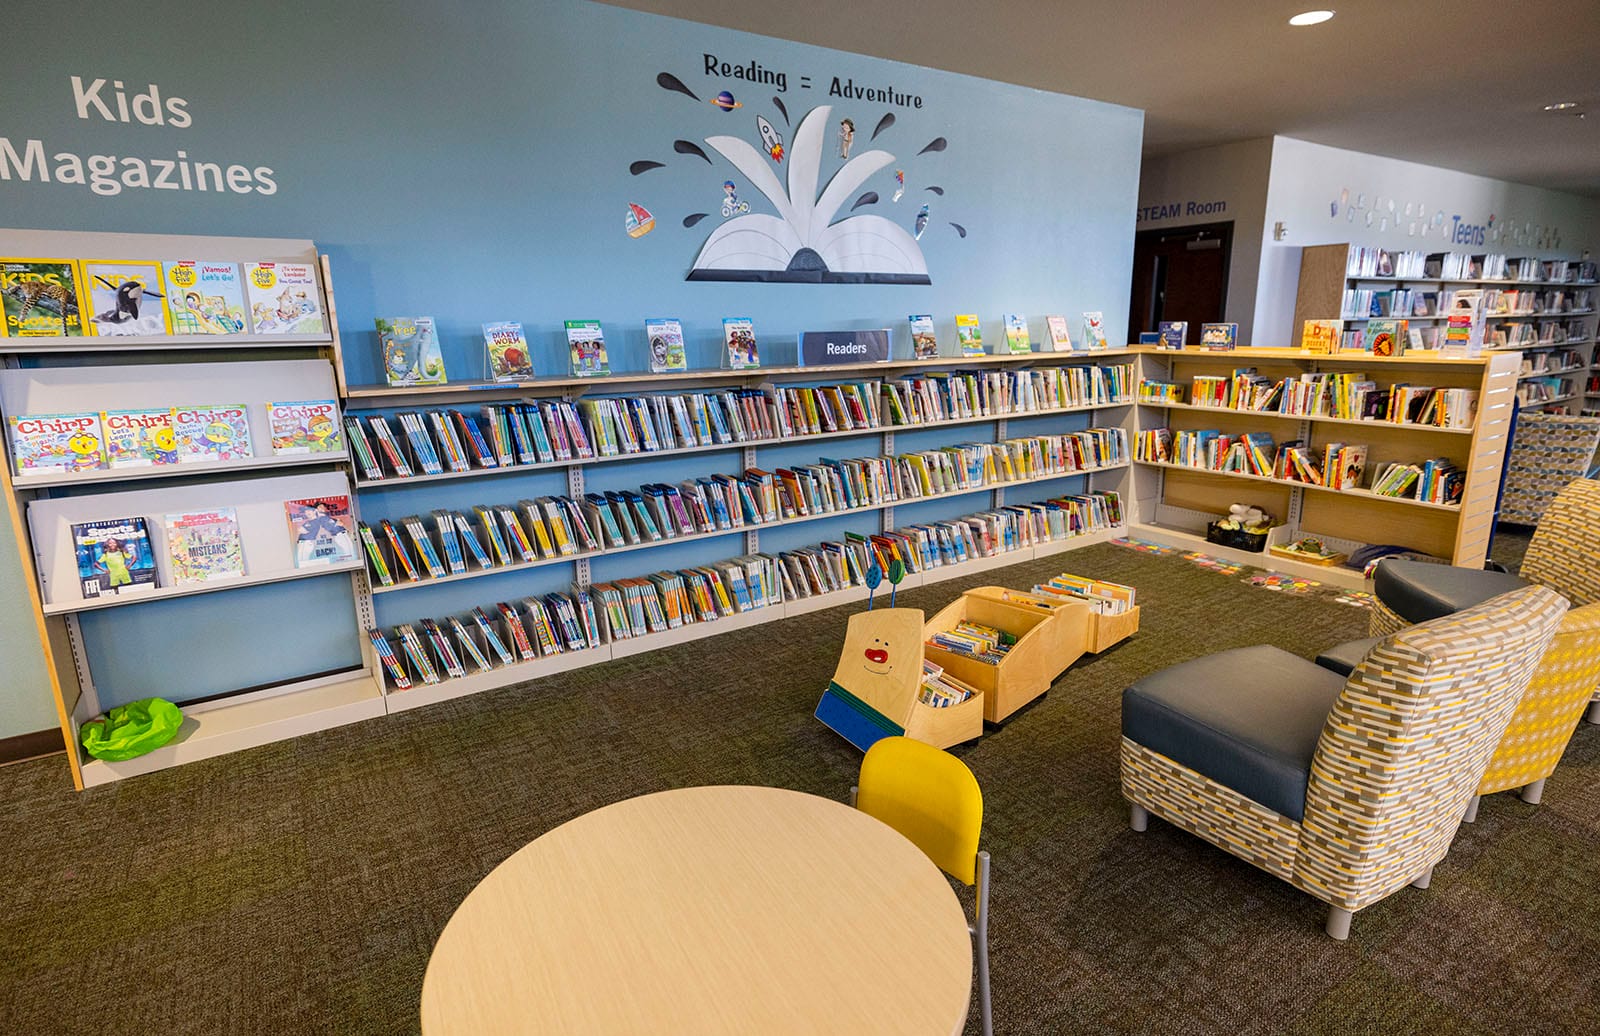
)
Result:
{"points": [[877, 658], [881, 662]]}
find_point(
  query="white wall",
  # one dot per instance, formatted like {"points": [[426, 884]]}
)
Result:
{"points": [[1214, 185], [1326, 195]]}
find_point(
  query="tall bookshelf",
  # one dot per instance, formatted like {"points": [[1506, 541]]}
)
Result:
{"points": [[392, 498], [98, 648], [1172, 503], [1558, 371]]}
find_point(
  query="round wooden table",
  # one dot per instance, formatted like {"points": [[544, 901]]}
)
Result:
{"points": [[738, 910]]}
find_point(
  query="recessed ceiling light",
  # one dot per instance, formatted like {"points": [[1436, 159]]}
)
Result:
{"points": [[1311, 18], [1560, 106]]}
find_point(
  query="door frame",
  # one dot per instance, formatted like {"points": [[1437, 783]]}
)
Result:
{"points": [[1223, 231]]}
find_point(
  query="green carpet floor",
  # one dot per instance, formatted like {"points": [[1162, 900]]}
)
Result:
{"points": [[299, 887]]}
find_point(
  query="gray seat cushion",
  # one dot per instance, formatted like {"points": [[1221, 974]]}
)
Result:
{"points": [[1248, 718], [1418, 591], [1343, 658]]}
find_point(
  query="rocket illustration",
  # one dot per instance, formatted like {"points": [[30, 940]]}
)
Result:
{"points": [[922, 221], [770, 139]]}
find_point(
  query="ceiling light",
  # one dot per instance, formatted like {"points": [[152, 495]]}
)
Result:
{"points": [[1311, 18], [1560, 106]]}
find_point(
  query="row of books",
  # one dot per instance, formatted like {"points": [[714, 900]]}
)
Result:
{"points": [[503, 435], [93, 441], [1497, 266], [1348, 395], [1380, 262], [116, 557], [974, 640], [1539, 391], [1561, 360], [494, 536], [939, 690], [1333, 465], [1362, 303], [522, 630], [143, 297]]}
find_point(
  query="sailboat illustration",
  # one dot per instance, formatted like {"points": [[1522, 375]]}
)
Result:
{"points": [[639, 221], [800, 244]]}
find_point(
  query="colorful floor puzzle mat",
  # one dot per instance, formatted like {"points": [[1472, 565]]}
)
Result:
{"points": [[1265, 579]]}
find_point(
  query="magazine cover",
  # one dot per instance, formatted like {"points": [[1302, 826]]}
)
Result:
{"points": [[205, 298], [509, 359], [114, 557], [208, 433], [411, 354], [204, 545], [969, 334], [40, 298], [307, 426], [667, 354], [322, 530], [125, 298], [1017, 340], [1056, 328], [57, 444], [924, 343], [284, 298], [739, 334], [587, 345], [139, 438], [1094, 330]]}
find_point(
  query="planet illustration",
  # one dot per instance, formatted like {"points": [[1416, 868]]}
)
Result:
{"points": [[725, 101]]}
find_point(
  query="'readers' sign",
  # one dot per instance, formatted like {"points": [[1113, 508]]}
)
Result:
{"points": [[824, 348]]}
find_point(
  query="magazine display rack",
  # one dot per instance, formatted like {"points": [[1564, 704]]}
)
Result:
{"points": [[1173, 502], [81, 374]]}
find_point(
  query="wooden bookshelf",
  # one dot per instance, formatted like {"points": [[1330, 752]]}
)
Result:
{"points": [[1325, 277], [1173, 502]]}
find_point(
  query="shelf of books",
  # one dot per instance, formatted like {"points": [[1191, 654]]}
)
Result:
{"points": [[173, 428], [1533, 305], [1349, 450], [761, 454]]}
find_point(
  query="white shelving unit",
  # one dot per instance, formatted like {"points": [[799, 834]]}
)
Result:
{"points": [[80, 374]]}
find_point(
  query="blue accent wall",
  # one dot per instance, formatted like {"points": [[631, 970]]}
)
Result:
{"points": [[472, 164]]}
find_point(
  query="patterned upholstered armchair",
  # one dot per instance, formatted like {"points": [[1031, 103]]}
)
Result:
{"points": [[1545, 719], [1348, 789], [1563, 555]]}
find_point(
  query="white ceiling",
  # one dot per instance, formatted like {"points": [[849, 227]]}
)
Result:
{"points": [[1459, 85]]}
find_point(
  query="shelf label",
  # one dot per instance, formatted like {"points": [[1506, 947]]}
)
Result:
{"points": [[825, 348]]}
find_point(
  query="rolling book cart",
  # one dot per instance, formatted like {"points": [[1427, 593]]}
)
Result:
{"points": [[104, 650]]}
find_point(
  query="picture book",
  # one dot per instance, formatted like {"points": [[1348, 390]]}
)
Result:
{"points": [[411, 354], [114, 557], [509, 358], [667, 354], [1056, 328], [1320, 336], [1219, 338], [204, 545], [924, 344], [739, 334], [124, 298], [284, 298], [969, 334], [210, 433], [322, 531], [586, 344], [57, 444], [1017, 340], [40, 298], [1094, 330], [205, 298], [307, 426], [1173, 333], [1385, 337], [139, 438]]}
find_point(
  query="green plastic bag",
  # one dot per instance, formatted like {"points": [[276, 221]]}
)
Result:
{"points": [[131, 730]]}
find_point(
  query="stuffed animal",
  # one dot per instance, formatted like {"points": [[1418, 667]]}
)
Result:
{"points": [[1243, 516]]}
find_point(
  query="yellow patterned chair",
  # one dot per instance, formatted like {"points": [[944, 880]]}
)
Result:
{"points": [[1548, 714], [1348, 789], [1563, 555]]}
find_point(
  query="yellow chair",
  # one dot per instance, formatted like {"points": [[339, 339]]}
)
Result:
{"points": [[931, 797]]}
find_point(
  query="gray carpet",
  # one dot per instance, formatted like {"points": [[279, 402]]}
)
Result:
{"points": [[299, 887]]}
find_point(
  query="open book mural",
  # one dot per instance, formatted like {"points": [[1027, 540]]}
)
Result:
{"points": [[802, 243]]}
